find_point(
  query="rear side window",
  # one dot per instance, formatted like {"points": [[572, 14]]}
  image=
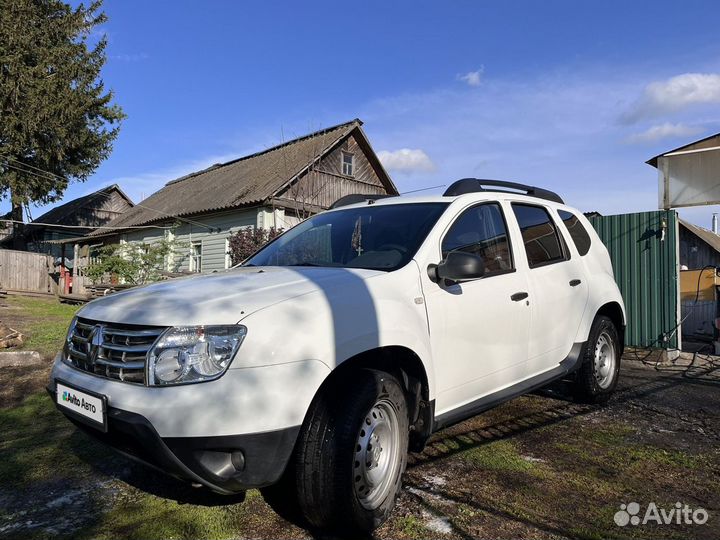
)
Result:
{"points": [[577, 231], [481, 230], [540, 235]]}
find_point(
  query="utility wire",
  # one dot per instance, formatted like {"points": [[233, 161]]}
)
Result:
{"points": [[33, 223], [423, 189], [37, 169], [52, 175], [667, 336]]}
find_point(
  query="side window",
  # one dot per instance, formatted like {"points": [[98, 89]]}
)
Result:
{"points": [[577, 231], [481, 230], [540, 236]]}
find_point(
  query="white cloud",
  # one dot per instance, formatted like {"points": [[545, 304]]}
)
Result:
{"points": [[674, 94], [556, 130], [406, 160], [664, 131], [472, 78], [135, 57]]}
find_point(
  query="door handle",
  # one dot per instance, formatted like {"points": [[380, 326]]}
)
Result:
{"points": [[575, 282], [519, 296]]}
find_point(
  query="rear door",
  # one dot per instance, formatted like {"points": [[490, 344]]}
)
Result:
{"points": [[558, 287]]}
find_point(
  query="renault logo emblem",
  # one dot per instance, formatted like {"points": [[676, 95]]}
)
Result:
{"points": [[95, 340]]}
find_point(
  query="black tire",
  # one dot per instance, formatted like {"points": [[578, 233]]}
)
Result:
{"points": [[328, 455], [282, 497], [594, 384]]}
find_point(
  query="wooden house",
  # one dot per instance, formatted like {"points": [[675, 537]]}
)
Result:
{"points": [[274, 188]]}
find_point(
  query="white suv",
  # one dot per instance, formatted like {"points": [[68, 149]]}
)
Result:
{"points": [[348, 340]]}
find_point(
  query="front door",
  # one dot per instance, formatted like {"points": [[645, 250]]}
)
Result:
{"points": [[479, 328]]}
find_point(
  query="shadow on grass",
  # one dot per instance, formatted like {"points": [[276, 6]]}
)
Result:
{"points": [[108, 462]]}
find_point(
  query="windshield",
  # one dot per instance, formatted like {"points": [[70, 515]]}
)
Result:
{"points": [[383, 237]]}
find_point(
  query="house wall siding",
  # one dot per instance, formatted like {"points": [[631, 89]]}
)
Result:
{"points": [[213, 243]]}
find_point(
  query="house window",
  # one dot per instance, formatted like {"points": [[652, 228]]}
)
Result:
{"points": [[228, 258], [196, 257], [348, 164]]}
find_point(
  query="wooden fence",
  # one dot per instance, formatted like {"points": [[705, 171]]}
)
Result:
{"points": [[24, 271]]}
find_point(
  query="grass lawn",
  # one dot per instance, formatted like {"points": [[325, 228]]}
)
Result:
{"points": [[44, 321]]}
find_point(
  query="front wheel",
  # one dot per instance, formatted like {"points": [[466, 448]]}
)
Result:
{"points": [[600, 368], [352, 453]]}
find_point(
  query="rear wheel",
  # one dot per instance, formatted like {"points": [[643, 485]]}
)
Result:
{"points": [[598, 374], [352, 453]]}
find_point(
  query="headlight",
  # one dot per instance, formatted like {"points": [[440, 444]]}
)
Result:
{"points": [[187, 354], [68, 337]]}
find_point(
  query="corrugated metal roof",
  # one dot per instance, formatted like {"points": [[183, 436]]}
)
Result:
{"points": [[706, 235], [244, 181]]}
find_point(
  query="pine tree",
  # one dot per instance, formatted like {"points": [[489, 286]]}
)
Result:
{"points": [[57, 120]]}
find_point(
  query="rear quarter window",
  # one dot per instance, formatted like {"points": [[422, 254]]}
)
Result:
{"points": [[577, 231]]}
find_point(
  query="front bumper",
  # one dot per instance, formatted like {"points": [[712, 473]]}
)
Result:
{"points": [[226, 464], [230, 434], [243, 400]]}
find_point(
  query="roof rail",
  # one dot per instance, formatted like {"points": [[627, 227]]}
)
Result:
{"points": [[475, 185], [357, 198]]}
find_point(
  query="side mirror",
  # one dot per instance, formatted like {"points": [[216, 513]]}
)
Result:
{"points": [[457, 266]]}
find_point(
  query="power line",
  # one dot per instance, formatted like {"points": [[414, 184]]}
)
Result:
{"points": [[37, 169], [191, 222], [34, 223], [423, 189]]}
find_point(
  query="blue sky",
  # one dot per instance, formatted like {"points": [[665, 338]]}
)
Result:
{"points": [[573, 96]]}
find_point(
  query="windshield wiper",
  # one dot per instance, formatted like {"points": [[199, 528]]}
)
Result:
{"points": [[306, 263]]}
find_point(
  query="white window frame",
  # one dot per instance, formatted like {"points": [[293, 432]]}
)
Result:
{"points": [[352, 163], [228, 259], [170, 257], [194, 257]]}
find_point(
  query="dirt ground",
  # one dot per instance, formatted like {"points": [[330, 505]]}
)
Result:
{"points": [[537, 467]]}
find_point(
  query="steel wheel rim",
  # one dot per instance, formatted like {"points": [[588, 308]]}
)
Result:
{"points": [[605, 360], [377, 455]]}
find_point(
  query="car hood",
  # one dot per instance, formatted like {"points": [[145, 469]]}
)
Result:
{"points": [[220, 298]]}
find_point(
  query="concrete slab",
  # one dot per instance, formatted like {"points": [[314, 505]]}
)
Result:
{"points": [[20, 358]]}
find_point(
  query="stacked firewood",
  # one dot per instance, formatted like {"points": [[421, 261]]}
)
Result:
{"points": [[10, 337]]}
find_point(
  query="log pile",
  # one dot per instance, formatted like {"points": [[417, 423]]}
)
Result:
{"points": [[10, 337]]}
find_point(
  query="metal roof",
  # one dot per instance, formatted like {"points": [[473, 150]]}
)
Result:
{"points": [[695, 145], [706, 235]]}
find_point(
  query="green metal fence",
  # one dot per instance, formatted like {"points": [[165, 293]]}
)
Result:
{"points": [[644, 252]]}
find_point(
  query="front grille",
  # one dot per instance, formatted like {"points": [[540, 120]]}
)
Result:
{"points": [[115, 351]]}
